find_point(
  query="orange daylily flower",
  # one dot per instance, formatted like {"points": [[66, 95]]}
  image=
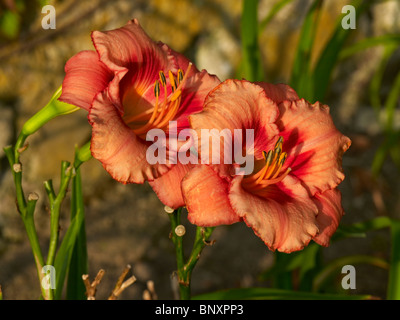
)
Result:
{"points": [[129, 86], [291, 197]]}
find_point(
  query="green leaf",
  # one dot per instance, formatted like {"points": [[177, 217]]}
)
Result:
{"points": [[385, 40], [305, 261], [376, 81], [251, 57], [392, 102], [301, 71], [391, 143], [79, 259], [64, 254], [271, 14], [274, 294], [360, 228], [330, 55], [10, 24]]}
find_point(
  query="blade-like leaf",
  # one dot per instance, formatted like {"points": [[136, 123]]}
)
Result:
{"points": [[376, 81], [391, 103], [301, 72], [251, 56], [271, 14], [329, 57], [361, 228], [64, 254], [385, 40], [305, 262], [79, 260]]}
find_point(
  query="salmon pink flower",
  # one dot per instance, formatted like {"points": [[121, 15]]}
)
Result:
{"points": [[129, 86], [291, 197]]}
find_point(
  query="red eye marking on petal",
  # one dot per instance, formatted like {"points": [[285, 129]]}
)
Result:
{"points": [[163, 111], [271, 172]]}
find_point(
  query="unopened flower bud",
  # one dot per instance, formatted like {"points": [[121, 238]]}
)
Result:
{"points": [[53, 109]]}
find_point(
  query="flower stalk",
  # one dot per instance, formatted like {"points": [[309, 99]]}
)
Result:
{"points": [[55, 208], [26, 210], [26, 207], [185, 268]]}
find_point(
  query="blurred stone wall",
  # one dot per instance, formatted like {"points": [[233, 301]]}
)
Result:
{"points": [[207, 31]]}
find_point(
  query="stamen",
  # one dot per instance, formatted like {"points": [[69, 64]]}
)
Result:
{"points": [[180, 76], [279, 142], [266, 183], [162, 79], [157, 89], [165, 111], [172, 81], [271, 172]]}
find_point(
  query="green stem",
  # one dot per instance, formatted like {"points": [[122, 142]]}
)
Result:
{"points": [[16, 168], [185, 269], [201, 240], [26, 208], [30, 228], [55, 209], [79, 259], [175, 218]]}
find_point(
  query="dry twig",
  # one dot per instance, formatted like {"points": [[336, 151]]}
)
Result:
{"points": [[91, 288], [121, 284], [150, 293]]}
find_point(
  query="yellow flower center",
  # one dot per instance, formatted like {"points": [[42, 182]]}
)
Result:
{"points": [[271, 172], [164, 111]]}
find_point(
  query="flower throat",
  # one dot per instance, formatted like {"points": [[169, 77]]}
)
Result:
{"points": [[163, 111], [271, 172]]}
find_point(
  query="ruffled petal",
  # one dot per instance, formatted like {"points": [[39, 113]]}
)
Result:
{"points": [[120, 151], [329, 216], [206, 197], [135, 60], [168, 186], [314, 146], [285, 219], [195, 91], [279, 92], [85, 77], [234, 105]]}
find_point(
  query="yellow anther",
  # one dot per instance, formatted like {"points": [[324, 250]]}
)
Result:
{"points": [[165, 107]]}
